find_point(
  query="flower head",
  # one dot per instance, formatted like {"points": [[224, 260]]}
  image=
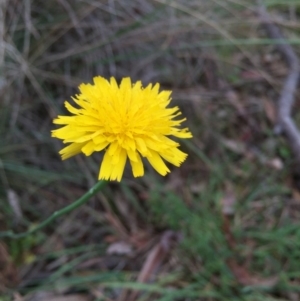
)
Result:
{"points": [[127, 121]]}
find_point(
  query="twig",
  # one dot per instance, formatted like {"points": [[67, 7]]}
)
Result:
{"points": [[97, 187], [286, 98]]}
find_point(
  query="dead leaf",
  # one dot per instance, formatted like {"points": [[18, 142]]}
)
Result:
{"points": [[141, 240], [8, 272], [252, 75], [296, 196], [17, 297], [14, 203], [120, 248], [235, 146], [155, 258], [99, 294], [275, 163], [228, 200], [157, 255]]}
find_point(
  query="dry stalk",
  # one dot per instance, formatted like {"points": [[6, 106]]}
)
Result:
{"points": [[287, 95]]}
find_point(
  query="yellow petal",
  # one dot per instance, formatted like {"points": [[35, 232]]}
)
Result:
{"points": [[99, 139], [118, 169], [99, 147], [63, 119], [155, 89], [116, 156], [100, 81], [105, 169], [71, 109], [108, 171], [113, 147], [154, 145], [174, 156], [157, 162], [128, 143], [125, 84], [85, 138], [66, 132], [71, 150], [181, 133], [132, 155], [84, 128], [89, 148], [137, 166], [141, 146]]}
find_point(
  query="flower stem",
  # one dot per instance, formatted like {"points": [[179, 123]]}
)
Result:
{"points": [[92, 191]]}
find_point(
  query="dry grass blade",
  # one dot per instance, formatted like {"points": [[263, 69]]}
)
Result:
{"points": [[225, 34], [49, 296], [157, 255]]}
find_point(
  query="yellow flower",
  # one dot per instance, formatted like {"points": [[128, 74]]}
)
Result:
{"points": [[127, 121]]}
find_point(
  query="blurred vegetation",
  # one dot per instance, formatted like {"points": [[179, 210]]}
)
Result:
{"points": [[224, 226]]}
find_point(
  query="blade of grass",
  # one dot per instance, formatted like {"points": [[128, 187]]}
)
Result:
{"points": [[97, 187]]}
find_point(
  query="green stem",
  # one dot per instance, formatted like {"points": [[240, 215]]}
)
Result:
{"points": [[97, 187]]}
